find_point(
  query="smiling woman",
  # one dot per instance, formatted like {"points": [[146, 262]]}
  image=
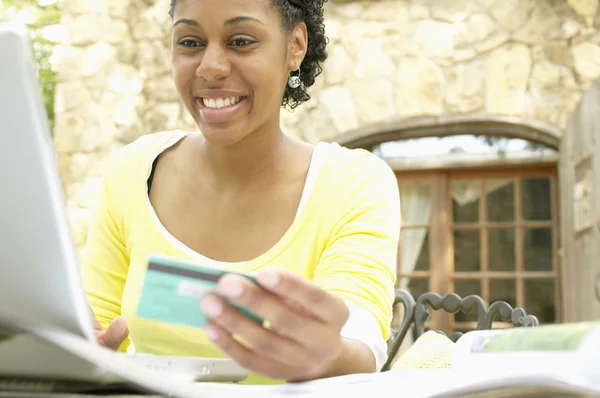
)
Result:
{"points": [[317, 224]]}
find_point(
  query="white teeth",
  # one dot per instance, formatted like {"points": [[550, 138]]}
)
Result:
{"points": [[217, 103]]}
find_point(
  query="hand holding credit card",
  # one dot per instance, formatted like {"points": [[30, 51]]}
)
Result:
{"points": [[173, 289], [299, 339]]}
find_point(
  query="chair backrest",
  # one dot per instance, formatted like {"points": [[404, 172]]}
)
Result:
{"points": [[453, 303], [417, 312], [397, 336]]}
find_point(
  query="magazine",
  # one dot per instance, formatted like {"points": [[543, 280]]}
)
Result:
{"points": [[554, 338]]}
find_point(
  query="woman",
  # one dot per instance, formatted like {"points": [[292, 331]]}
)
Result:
{"points": [[317, 224]]}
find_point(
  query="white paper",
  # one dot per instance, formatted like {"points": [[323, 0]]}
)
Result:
{"points": [[544, 371]]}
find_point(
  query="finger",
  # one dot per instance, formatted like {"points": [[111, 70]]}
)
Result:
{"points": [[325, 305], [97, 327], [248, 358], [279, 315], [267, 343], [116, 333]]}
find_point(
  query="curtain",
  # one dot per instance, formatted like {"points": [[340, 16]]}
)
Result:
{"points": [[415, 201], [465, 192]]}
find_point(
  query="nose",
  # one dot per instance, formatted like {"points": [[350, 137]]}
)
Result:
{"points": [[214, 64]]}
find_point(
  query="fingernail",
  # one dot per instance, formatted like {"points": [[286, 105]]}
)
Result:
{"points": [[231, 288], [269, 278], [211, 306], [211, 332]]}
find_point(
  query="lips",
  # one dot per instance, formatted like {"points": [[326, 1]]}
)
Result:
{"points": [[220, 109]]}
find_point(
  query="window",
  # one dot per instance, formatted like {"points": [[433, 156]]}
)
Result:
{"points": [[486, 229]]}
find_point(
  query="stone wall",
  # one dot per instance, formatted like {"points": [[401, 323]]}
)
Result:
{"points": [[389, 60]]}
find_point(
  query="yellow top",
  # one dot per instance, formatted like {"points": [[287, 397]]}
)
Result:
{"points": [[344, 239]]}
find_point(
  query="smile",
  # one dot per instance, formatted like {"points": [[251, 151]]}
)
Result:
{"points": [[218, 103], [220, 109]]}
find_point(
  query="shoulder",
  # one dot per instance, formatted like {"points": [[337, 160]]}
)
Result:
{"points": [[136, 157], [130, 166], [359, 168], [359, 192], [355, 183], [127, 170]]}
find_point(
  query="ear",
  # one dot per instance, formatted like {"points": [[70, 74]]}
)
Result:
{"points": [[298, 46]]}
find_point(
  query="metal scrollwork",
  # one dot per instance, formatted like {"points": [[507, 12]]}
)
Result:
{"points": [[516, 316], [397, 336], [418, 312], [453, 303]]}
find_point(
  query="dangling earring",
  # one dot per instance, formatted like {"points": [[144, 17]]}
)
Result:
{"points": [[294, 81]]}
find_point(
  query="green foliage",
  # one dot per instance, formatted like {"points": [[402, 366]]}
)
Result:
{"points": [[37, 17]]}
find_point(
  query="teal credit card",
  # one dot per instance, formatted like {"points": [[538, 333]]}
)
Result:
{"points": [[173, 288]]}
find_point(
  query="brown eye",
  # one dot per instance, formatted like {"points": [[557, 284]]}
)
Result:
{"points": [[242, 42], [189, 43]]}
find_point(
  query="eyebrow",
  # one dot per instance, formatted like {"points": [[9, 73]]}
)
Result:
{"points": [[230, 21]]}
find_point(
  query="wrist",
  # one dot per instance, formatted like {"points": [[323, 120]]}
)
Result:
{"points": [[354, 357]]}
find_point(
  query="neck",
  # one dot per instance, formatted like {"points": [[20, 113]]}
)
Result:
{"points": [[255, 158]]}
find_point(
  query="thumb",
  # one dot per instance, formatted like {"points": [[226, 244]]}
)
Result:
{"points": [[116, 332]]}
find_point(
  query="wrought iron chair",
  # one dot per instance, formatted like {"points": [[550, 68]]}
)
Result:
{"points": [[417, 312]]}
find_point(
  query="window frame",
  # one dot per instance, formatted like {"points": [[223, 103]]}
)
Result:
{"points": [[441, 275]]}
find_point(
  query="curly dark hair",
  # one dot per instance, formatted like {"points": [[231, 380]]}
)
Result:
{"points": [[292, 13]]}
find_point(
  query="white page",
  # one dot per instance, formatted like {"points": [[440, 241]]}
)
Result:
{"points": [[417, 383]]}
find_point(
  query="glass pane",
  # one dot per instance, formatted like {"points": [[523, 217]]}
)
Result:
{"points": [[466, 251], [466, 288], [539, 299], [414, 255], [500, 200], [501, 249], [503, 290], [465, 201], [538, 249], [415, 202], [417, 287], [536, 199]]}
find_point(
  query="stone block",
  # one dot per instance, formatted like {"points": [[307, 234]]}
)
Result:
{"points": [[339, 104], [419, 88], [507, 74], [586, 58], [373, 99]]}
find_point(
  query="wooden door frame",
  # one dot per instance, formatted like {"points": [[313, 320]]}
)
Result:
{"points": [[580, 249]]}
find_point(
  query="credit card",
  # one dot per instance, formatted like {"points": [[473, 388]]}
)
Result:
{"points": [[173, 288]]}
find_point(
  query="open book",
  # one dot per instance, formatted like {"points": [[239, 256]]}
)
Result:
{"points": [[553, 359]]}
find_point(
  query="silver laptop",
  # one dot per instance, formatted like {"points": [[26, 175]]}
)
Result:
{"points": [[40, 282]]}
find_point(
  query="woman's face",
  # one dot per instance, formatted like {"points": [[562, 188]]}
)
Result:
{"points": [[231, 60]]}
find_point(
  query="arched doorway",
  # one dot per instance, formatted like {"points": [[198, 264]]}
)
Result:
{"points": [[479, 201]]}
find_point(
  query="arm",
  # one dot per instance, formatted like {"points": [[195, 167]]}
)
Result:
{"points": [[105, 258], [359, 264]]}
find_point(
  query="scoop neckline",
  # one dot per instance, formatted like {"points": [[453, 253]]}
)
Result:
{"points": [[162, 234]]}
